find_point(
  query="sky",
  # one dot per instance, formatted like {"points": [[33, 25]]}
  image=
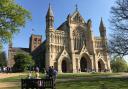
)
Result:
{"points": [[89, 9]]}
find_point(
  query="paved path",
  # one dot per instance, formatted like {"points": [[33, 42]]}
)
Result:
{"points": [[9, 84], [4, 85], [6, 75]]}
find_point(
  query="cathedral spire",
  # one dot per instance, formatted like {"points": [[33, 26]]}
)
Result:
{"points": [[102, 29], [49, 18], [101, 23], [50, 12]]}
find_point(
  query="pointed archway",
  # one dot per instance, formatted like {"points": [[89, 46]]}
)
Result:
{"points": [[64, 66], [83, 64], [101, 66]]}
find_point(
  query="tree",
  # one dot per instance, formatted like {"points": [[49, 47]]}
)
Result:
{"points": [[118, 64], [22, 62], [38, 57], [119, 26], [12, 18], [3, 61]]}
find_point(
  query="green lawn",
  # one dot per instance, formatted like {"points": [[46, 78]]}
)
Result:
{"points": [[80, 81], [111, 83]]}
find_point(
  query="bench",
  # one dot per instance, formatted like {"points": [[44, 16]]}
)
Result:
{"points": [[37, 83]]}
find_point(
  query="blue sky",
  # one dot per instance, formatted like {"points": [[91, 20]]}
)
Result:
{"points": [[89, 9]]}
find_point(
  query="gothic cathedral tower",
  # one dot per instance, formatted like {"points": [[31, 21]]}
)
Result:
{"points": [[49, 30]]}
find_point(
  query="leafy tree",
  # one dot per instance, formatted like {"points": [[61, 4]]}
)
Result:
{"points": [[12, 18], [22, 62], [119, 26], [118, 64], [3, 59]]}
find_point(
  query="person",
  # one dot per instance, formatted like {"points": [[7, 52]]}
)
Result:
{"points": [[55, 74], [47, 74], [79, 70], [50, 72], [0, 69], [37, 72], [8, 69], [30, 75], [37, 69], [37, 75], [85, 69], [4, 69]]}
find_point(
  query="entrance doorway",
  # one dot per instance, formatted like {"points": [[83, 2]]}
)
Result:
{"points": [[101, 66], [64, 66], [83, 64]]}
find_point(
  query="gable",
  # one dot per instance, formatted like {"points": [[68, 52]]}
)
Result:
{"points": [[84, 50], [77, 18], [63, 54]]}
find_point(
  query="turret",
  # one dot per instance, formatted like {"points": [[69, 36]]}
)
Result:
{"points": [[90, 44], [89, 24], [102, 29], [49, 30], [69, 19], [49, 19]]}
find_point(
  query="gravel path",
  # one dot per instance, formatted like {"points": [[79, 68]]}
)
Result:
{"points": [[8, 84], [6, 75], [4, 85]]}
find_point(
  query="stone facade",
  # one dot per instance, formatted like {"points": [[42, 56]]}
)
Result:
{"points": [[35, 42], [73, 48], [12, 52], [34, 45]]}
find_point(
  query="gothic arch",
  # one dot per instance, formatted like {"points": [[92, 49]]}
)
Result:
{"points": [[64, 60], [99, 55], [85, 63], [64, 65], [101, 65]]}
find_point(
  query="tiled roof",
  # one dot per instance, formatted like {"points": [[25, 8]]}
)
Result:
{"points": [[24, 50]]}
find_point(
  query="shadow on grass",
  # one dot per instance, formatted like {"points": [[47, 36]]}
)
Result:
{"points": [[85, 81]]}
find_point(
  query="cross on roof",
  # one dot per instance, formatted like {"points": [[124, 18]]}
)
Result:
{"points": [[76, 7]]}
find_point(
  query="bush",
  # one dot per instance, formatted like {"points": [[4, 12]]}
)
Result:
{"points": [[118, 64]]}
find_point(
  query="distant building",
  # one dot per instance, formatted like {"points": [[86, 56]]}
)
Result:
{"points": [[71, 47], [34, 43]]}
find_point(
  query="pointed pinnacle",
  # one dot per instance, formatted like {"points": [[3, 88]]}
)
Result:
{"points": [[50, 12], [101, 23], [76, 7]]}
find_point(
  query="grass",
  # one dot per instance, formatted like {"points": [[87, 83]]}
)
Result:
{"points": [[111, 83], [70, 75], [80, 81]]}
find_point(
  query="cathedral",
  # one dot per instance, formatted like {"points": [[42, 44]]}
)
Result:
{"points": [[71, 48]]}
